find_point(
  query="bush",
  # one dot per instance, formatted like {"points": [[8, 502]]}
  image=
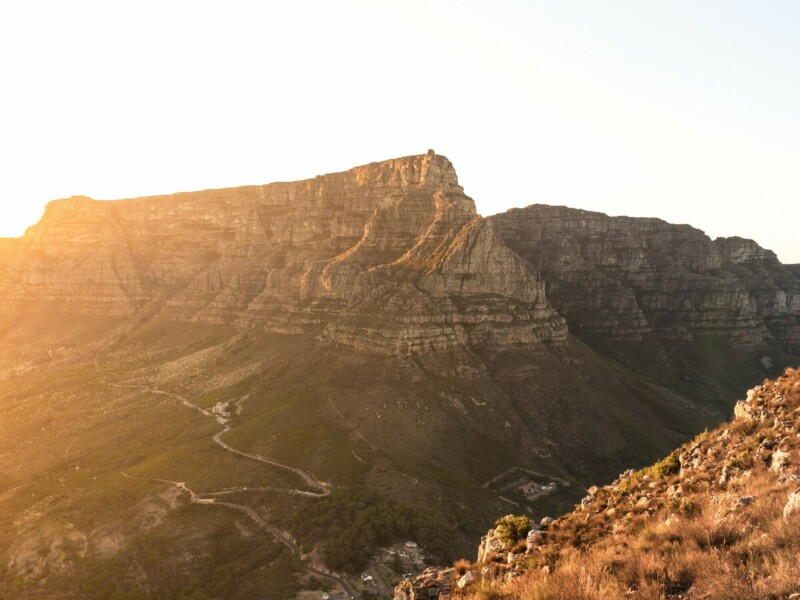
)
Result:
{"points": [[512, 529], [461, 566]]}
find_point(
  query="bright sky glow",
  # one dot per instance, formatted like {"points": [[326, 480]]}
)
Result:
{"points": [[684, 110]]}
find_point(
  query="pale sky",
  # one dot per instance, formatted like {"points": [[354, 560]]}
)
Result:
{"points": [[684, 110]]}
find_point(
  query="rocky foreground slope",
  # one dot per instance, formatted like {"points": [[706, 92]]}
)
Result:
{"points": [[717, 518]]}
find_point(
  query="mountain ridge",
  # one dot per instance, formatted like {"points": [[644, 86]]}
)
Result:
{"points": [[399, 232]]}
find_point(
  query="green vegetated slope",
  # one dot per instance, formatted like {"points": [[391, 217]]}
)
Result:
{"points": [[407, 445]]}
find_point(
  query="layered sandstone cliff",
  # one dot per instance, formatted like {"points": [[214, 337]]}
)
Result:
{"points": [[628, 278], [390, 256]]}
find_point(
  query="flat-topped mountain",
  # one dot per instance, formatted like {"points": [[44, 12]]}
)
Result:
{"points": [[390, 256]]}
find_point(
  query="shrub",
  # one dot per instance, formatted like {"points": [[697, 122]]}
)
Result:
{"points": [[666, 467], [512, 529], [461, 566]]}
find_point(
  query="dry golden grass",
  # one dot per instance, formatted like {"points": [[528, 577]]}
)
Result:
{"points": [[714, 539]]}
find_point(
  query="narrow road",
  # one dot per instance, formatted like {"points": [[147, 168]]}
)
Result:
{"points": [[324, 488], [273, 531], [312, 481]]}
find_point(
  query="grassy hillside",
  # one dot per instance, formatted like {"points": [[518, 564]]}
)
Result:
{"points": [[719, 518], [96, 442]]}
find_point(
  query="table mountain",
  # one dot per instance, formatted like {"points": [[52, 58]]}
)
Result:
{"points": [[390, 256]]}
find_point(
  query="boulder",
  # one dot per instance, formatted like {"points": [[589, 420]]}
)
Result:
{"points": [[780, 460], [534, 535], [743, 410], [466, 579], [792, 508], [490, 544]]}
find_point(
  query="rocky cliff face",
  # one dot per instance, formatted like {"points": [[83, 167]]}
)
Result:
{"points": [[389, 256], [392, 256], [630, 278]]}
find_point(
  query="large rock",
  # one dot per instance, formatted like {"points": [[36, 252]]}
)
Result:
{"points": [[792, 508], [466, 579], [779, 460], [432, 584], [533, 538], [490, 544]]}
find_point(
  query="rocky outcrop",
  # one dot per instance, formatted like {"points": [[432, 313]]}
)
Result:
{"points": [[390, 256], [490, 545], [432, 584], [739, 479], [630, 278]]}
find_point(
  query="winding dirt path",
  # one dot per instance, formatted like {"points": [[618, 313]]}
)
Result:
{"points": [[323, 487], [279, 535], [313, 482], [210, 498]]}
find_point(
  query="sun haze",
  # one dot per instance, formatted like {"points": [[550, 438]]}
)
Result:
{"points": [[680, 110]]}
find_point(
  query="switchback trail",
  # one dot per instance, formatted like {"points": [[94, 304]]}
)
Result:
{"points": [[209, 498], [323, 487], [279, 535]]}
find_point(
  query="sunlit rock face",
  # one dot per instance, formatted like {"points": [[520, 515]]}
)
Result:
{"points": [[389, 256], [629, 278]]}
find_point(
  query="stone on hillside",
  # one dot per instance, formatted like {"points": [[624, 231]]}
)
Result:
{"points": [[490, 544], [534, 536], [792, 508], [466, 579], [725, 476], [743, 410], [432, 584], [780, 460]]}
